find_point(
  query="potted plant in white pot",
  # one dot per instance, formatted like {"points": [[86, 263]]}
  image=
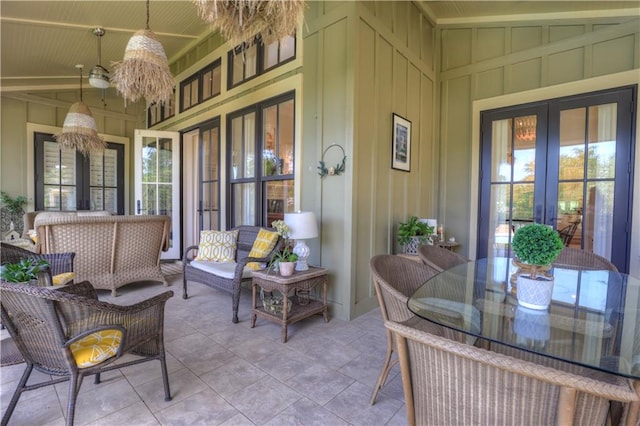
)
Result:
{"points": [[536, 246], [413, 233]]}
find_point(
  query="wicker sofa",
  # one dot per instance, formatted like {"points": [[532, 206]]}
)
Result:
{"points": [[29, 218], [111, 251]]}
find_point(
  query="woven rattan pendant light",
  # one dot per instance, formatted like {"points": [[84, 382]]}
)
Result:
{"points": [[144, 71], [241, 20], [79, 130]]}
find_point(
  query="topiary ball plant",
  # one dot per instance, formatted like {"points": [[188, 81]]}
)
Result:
{"points": [[536, 245]]}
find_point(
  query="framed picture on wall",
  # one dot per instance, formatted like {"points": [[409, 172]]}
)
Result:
{"points": [[401, 144]]}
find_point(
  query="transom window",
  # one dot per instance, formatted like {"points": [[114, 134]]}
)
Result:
{"points": [[159, 112], [203, 85], [249, 61]]}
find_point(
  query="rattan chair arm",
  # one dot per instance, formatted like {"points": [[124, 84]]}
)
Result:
{"points": [[84, 289], [185, 258]]}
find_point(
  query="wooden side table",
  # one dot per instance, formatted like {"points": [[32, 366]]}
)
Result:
{"points": [[303, 281]]}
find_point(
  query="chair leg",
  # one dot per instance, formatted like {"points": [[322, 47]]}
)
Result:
{"points": [[96, 380], [16, 394], [235, 302], [75, 381], [386, 368], [184, 288], [165, 376]]}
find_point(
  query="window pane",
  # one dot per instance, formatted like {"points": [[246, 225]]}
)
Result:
{"points": [[96, 199], [149, 159], [165, 160], [238, 68], [244, 204], [111, 200], [570, 212], [602, 141], [96, 171], [207, 85], [598, 218], [194, 93], [205, 156], [279, 199], [271, 55], [236, 148], [524, 148], [216, 81], [269, 156], [249, 144], [250, 59], [110, 167], [500, 239], [501, 151], [186, 96], [285, 136], [287, 48], [572, 143]]}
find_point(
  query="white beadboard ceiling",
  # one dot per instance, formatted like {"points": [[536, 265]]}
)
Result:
{"points": [[42, 41]]}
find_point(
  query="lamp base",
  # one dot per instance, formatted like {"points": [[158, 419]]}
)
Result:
{"points": [[302, 250]]}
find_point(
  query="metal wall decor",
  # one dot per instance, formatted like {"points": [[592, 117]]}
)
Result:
{"points": [[331, 171]]}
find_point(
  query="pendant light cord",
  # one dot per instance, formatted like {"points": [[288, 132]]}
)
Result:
{"points": [[80, 83], [147, 15]]}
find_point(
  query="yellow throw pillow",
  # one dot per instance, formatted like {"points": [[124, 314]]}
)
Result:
{"points": [[96, 347], [63, 278], [262, 246], [219, 246]]}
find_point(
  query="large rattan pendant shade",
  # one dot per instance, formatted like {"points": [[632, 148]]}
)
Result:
{"points": [[144, 71], [79, 130], [241, 20]]}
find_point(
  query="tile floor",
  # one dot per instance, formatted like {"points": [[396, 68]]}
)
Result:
{"points": [[222, 373]]}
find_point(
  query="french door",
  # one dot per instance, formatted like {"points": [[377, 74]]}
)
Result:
{"points": [[209, 176], [566, 163], [157, 181]]}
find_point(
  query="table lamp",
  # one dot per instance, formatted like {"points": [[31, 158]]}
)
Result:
{"points": [[302, 226]]}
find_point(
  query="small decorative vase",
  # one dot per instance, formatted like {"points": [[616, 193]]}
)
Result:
{"points": [[286, 268], [534, 293]]}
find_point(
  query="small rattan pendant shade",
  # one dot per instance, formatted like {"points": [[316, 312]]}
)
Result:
{"points": [[144, 71], [79, 131]]}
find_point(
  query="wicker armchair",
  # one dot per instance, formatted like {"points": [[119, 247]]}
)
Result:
{"points": [[246, 236], [45, 322], [395, 279], [439, 258], [572, 257], [59, 263], [448, 382]]}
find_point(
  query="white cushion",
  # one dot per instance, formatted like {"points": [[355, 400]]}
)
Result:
{"points": [[221, 269]]}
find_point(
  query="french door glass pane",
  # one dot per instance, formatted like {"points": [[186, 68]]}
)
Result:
{"points": [[279, 199], [500, 239], [244, 203], [501, 151], [110, 199], [236, 148], [157, 156], [572, 137], [249, 145], [270, 159], [602, 141], [598, 218]]}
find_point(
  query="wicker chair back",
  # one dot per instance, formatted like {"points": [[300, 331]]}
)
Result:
{"points": [[573, 257], [439, 258]]}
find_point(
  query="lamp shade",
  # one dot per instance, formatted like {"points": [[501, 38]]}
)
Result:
{"points": [[144, 71], [302, 225], [79, 130]]}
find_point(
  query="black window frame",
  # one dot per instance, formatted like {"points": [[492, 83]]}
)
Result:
{"points": [[260, 67], [165, 112], [261, 205], [199, 77]]}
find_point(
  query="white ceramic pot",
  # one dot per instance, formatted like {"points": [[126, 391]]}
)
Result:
{"points": [[286, 268], [534, 293]]}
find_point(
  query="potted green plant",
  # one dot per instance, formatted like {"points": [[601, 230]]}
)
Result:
{"points": [[286, 260], [536, 246], [25, 271], [413, 233]]}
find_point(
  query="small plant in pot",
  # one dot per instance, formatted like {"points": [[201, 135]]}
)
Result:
{"points": [[536, 246], [286, 260], [25, 271], [412, 234]]}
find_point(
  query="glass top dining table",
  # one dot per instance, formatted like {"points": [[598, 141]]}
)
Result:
{"points": [[593, 320]]}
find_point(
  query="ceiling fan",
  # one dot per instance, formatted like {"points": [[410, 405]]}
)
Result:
{"points": [[99, 76]]}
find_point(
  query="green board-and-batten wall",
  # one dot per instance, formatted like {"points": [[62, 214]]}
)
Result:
{"points": [[491, 65]]}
